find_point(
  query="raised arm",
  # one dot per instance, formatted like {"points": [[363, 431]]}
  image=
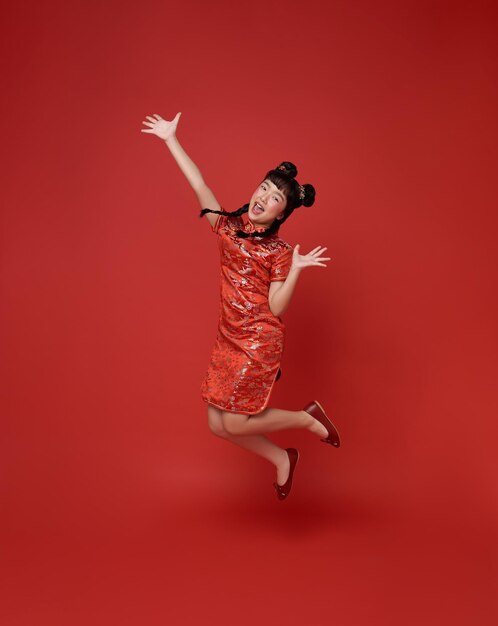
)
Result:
{"points": [[166, 131], [280, 292]]}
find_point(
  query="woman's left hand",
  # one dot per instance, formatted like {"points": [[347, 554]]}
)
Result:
{"points": [[306, 260]]}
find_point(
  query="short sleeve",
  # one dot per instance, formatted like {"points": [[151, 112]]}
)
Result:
{"points": [[220, 222], [281, 265]]}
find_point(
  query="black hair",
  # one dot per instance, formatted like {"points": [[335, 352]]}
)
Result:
{"points": [[283, 177]]}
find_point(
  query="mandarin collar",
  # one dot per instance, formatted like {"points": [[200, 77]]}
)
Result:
{"points": [[250, 228]]}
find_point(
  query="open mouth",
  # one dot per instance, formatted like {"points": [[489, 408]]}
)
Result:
{"points": [[257, 209]]}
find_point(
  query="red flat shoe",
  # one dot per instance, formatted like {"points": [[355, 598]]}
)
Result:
{"points": [[284, 490], [315, 409]]}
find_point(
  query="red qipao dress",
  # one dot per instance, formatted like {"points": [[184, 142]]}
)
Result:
{"points": [[245, 360]]}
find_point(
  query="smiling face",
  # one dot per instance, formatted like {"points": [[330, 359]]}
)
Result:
{"points": [[267, 204]]}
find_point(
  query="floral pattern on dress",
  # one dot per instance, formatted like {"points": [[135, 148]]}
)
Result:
{"points": [[249, 344]]}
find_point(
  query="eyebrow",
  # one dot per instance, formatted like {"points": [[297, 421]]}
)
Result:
{"points": [[265, 182]]}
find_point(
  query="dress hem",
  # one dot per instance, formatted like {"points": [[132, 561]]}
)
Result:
{"points": [[252, 412]]}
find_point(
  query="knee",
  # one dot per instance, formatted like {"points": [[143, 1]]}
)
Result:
{"points": [[218, 429], [216, 425], [234, 423]]}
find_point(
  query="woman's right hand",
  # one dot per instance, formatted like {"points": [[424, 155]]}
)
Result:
{"points": [[162, 128]]}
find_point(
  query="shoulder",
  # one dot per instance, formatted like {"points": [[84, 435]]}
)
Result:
{"points": [[279, 246], [234, 222], [228, 223]]}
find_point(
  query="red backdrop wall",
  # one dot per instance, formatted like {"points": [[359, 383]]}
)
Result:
{"points": [[119, 505]]}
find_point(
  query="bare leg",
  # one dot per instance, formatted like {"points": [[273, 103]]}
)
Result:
{"points": [[271, 420], [259, 444]]}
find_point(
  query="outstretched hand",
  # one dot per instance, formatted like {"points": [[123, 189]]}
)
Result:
{"points": [[162, 128], [306, 260]]}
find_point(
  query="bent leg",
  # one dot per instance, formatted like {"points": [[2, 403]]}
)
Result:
{"points": [[258, 444], [271, 420]]}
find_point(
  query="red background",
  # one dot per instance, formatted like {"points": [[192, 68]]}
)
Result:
{"points": [[119, 506]]}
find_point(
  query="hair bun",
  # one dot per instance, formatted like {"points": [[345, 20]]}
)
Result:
{"points": [[309, 195], [287, 168]]}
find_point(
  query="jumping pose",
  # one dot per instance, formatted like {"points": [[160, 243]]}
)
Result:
{"points": [[259, 272]]}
